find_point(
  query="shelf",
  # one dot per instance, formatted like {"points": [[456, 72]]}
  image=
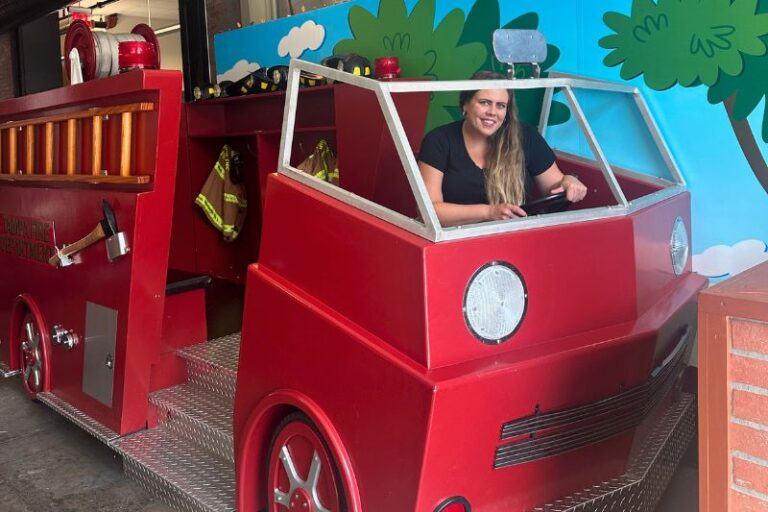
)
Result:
{"points": [[76, 178], [249, 133]]}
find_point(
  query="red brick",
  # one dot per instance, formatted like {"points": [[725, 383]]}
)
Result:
{"points": [[748, 371], [749, 335], [750, 475], [748, 440], [739, 502], [750, 406]]}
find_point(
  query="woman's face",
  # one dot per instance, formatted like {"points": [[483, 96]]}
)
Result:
{"points": [[486, 111]]}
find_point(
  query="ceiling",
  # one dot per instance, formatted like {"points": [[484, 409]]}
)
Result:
{"points": [[161, 12]]}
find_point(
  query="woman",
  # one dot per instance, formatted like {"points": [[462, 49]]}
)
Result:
{"points": [[475, 169]]}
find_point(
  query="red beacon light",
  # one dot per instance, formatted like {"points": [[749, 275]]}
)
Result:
{"points": [[387, 68]]}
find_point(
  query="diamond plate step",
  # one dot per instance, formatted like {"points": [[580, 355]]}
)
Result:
{"points": [[79, 418], [649, 471], [213, 365], [197, 415], [181, 474]]}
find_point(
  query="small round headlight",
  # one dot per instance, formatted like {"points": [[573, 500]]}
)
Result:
{"points": [[678, 246], [495, 302]]}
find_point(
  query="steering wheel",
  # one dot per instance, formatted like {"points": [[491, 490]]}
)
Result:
{"points": [[550, 204]]}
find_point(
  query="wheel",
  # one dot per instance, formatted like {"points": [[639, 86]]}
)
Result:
{"points": [[551, 204], [301, 474], [31, 356]]}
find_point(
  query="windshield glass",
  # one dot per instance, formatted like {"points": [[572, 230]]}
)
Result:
{"points": [[376, 132]]}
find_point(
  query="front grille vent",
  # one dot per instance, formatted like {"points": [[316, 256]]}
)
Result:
{"points": [[543, 435]]}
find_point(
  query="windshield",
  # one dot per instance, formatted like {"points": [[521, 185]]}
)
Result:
{"points": [[373, 132]]}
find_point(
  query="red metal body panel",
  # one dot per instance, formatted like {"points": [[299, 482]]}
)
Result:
{"points": [[134, 284], [376, 340]]}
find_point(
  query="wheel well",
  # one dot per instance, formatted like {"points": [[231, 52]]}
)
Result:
{"points": [[22, 305], [19, 309], [251, 456]]}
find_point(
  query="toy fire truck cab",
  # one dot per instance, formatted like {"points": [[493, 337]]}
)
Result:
{"points": [[386, 363], [389, 363]]}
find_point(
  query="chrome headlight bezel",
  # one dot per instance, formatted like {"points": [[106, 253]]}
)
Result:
{"points": [[517, 301], [679, 247]]}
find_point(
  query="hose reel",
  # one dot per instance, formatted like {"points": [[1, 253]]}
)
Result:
{"points": [[100, 52]]}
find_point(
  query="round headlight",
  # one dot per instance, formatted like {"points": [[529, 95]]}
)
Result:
{"points": [[495, 302], [678, 246]]}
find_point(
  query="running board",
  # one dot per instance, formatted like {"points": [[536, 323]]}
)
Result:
{"points": [[79, 418], [6, 372]]}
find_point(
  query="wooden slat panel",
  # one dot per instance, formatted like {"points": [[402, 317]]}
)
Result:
{"points": [[96, 146], [71, 145], [83, 114], [83, 178], [48, 165], [29, 148], [13, 151], [125, 144]]}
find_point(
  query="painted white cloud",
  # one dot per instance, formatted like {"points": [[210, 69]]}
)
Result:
{"points": [[309, 36], [729, 260], [238, 71]]}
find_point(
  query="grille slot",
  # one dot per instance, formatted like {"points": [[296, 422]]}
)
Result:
{"points": [[544, 435]]}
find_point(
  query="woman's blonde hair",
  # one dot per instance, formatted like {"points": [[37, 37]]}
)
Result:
{"points": [[504, 172]]}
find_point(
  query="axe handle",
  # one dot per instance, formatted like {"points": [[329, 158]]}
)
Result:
{"points": [[68, 250]]}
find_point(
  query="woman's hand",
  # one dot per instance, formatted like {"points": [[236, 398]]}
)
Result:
{"points": [[504, 211], [573, 188]]}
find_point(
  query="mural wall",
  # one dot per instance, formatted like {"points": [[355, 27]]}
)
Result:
{"points": [[702, 66]]}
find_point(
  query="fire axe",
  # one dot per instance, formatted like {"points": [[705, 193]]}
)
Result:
{"points": [[117, 244]]}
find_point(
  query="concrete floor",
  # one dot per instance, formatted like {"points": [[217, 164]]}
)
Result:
{"points": [[48, 464]]}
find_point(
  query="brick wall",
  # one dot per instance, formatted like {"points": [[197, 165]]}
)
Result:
{"points": [[6, 67], [748, 375], [223, 15], [733, 394]]}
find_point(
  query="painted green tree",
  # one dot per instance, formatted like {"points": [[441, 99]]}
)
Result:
{"points": [[454, 50], [721, 44], [423, 51]]}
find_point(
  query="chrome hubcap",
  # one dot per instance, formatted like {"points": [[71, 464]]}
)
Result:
{"points": [[32, 357], [302, 494]]}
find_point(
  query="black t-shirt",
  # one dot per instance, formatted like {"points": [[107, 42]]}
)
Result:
{"points": [[464, 182]]}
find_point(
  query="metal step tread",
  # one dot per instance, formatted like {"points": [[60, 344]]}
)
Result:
{"points": [[79, 418], [198, 403], [222, 352], [179, 471], [6, 372], [198, 415]]}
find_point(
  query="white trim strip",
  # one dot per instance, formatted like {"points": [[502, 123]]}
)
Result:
{"points": [[750, 458], [750, 424], [738, 386], [749, 354], [749, 492]]}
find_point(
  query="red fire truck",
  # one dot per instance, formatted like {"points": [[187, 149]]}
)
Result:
{"points": [[385, 362]]}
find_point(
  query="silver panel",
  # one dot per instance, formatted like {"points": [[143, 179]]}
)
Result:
{"points": [[649, 470], [7, 372], [197, 415], [79, 418], [99, 358], [213, 365], [183, 475]]}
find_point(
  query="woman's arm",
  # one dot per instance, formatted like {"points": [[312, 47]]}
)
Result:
{"points": [[553, 181], [451, 214]]}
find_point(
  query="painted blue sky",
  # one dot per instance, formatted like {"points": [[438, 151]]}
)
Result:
{"points": [[728, 204]]}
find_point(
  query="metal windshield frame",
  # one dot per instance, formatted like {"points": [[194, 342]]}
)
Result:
{"points": [[431, 229]]}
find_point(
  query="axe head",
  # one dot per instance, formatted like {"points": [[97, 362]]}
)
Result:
{"points": [[117, 243], [109, 222]]}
